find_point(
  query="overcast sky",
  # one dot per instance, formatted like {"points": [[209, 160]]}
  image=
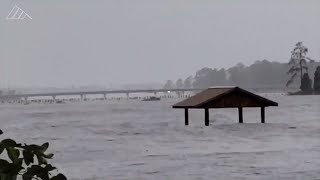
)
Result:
{"points": [[80, 42]]}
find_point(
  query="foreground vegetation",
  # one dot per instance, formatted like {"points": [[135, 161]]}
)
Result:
{"points": [[27, 161]]}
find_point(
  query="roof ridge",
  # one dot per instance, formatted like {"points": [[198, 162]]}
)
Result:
{"points": [[217, 87]]}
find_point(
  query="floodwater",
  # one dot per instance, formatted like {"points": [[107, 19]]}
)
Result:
{"points": [[148, 140]]}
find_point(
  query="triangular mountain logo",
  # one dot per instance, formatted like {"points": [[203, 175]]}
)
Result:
{"points": [[17, 13]]}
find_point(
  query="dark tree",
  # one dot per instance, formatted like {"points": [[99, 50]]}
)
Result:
{"points": [[202, 78], [188, 82], [298, 63], [179, 83], [236, 74], [169, 85], [316, 82], [207, 77], [306, 83]]}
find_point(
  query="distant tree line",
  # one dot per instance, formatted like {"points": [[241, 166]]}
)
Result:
{"points": [[179, 84], [261, 74]]}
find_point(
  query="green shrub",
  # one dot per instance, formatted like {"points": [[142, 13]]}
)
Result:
{"points": [[28, 161]]}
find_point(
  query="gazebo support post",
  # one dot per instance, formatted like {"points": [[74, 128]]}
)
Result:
{"points": [[262, 114], [240, 115], [186, 117], [206, 116]]}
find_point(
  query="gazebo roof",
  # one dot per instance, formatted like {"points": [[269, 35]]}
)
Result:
{"points": [[225, 97]]}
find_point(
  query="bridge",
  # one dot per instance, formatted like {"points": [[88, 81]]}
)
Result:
{"points": [[83, 94]]}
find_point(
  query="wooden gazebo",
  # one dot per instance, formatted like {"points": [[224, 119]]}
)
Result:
{"points": [[224, 97]]}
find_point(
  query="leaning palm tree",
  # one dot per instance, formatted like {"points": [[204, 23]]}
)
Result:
{"points": [[298, 63]]}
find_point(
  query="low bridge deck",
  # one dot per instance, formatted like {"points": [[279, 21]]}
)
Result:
{"points": [[104, 93]]}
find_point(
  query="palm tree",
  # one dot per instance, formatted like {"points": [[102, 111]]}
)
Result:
{"points": [[298, 62]]}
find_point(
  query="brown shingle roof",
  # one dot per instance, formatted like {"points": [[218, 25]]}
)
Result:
{"points": [[224, 97]]}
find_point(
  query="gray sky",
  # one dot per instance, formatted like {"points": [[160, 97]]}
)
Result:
{"points": [[79, 42]]}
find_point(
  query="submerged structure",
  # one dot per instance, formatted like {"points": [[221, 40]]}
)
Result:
{"points": [[224, 97]]}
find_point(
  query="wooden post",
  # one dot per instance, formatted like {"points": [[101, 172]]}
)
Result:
{"points": [[240, 115], [186, 117], [206, 116], [262, 115]]}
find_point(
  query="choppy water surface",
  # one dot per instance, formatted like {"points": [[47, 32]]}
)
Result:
{"points": [[148, 140]]}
